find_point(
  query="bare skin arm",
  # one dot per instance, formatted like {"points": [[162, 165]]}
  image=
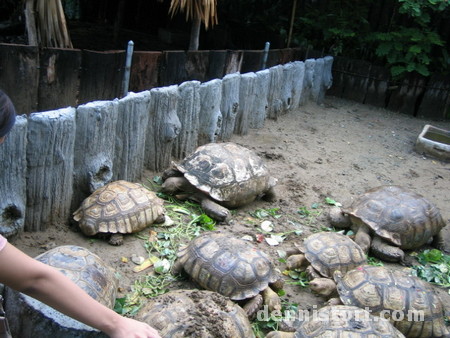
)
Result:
{"points": [[51, 287]]}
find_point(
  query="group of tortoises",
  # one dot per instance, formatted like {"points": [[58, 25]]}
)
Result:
{"points": [[386, 220]]}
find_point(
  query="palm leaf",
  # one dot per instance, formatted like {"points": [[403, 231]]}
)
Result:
{"points": [[206, 10]]}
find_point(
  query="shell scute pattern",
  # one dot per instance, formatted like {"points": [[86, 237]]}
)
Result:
{"points": [[329, 251], [379, 288], [400, 216], [119, 207], [85, 269], [230, 266]]}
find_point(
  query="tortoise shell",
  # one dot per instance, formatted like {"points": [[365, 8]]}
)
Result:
{"points": [[194, 313], [409, 302], [402, 217], [85, 269], [233, 267], [119, 207], [345, 321], [328, 252], [231, 174]]}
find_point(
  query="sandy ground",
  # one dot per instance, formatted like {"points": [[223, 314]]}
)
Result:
{"points": [[337, 150]]}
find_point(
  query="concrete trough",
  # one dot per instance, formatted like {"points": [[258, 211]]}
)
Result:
{"points": [[434, 142]]}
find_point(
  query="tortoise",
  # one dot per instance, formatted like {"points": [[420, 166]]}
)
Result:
{"points": [[117, 208], [220, 176], [407, 301], [336, 321], [29, 317], [232, 267], [323, 253], [195, 313], [390, 219]]}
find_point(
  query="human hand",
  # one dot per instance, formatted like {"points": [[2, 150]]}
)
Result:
{"points": [[130, 328]]}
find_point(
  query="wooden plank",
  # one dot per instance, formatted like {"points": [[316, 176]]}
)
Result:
{"points": [[275, 105], [273, 58], [299, 54], [96, 124], [246, 101], [377, 86], [163, 127], [13, 179], [233, 63], [252, 60], [173, 68], [404, 97], [101, 75], [59, 78], [197, 65], [286, 55], [210, 115], [229, 105], [356, 80], [50, 155], [145, 71], [188, 112], [260, 104], [217, 60], [19, 66], [339, 72], [132, 121], [436, 100]]}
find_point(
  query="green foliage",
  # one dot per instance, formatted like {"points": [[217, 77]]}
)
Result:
{"points": [[261, 325], [435, 267], [264, 213]]}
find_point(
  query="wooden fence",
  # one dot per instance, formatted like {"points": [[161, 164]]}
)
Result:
{"points": [[52, 160]]}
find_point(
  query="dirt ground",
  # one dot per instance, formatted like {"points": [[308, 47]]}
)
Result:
{"points": [[338, 149]]}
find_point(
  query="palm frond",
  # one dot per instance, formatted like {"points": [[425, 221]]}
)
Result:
{"points": [[206, 10]]}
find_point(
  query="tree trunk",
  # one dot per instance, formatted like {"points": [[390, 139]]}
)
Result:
{"points": [[195, 33], [31, 23]]}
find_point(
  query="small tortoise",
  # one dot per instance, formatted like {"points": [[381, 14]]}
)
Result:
{"points": [[390, 219], [407, 301], [324, 253], [220, 176], [340, 321], [232, 267], [196, 313], [86, 269], [29, 317], [118, 208]]}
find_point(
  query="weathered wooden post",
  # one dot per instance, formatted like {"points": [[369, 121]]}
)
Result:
{"points": [[210, 115], [50, 156], [260, 104], [163, 127], [13, 179], [188, 112], [298, 82], [132, 121], [275, 105], [229, 105], [94, 148], [246, 101]]}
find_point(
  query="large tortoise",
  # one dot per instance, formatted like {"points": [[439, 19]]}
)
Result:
{"points": [[220, 176], [390, 219], [407, 301], [323, 253], [196, 313], [29, 317], [117, 208], [340, 321], [232, 267]]}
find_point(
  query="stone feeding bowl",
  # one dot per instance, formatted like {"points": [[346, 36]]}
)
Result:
{"points": [[434, 142]]}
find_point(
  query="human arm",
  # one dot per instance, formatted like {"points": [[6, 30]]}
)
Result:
{"points": [[48, 285]]}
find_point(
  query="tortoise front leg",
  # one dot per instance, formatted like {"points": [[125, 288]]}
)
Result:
{"points": [[213, 209], [386, 252], [362, 237], [253, 305]]}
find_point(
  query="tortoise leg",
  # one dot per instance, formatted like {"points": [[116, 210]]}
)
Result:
{"points": [[362, 237], [442, 240], [252, 306], [213, 209], [312, 273], [271, 299], [389, 253], [296, 262], [116, 239]]}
